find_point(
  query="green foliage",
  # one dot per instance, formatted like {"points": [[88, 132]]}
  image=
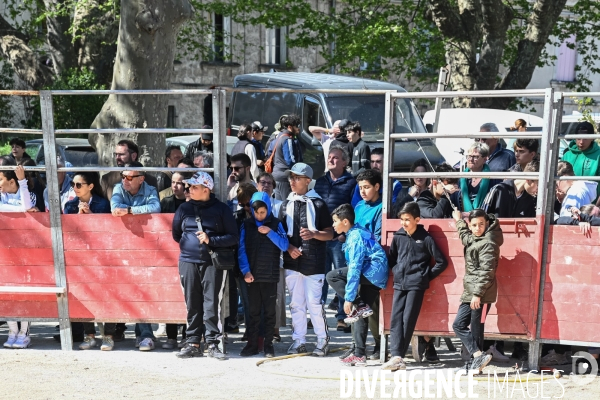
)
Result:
{"points": [[6, 83], [584, 105], [71, 112], [5, 149]]}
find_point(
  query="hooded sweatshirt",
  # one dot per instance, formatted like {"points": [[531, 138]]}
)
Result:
{"points": [[482, 254], [364, 256], [368, 215], [410, 259], [20, 201], [585, 163], [579, 194], [260, 253]]}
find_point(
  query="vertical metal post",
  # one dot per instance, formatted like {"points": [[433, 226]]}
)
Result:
{"points": [[553, 105], [54, 204], [388, 154], [220, 144], [443, 80], [220, 190]]}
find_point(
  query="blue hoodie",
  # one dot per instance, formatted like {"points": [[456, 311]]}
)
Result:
{"points": [[364, 256], [368, 215], [279, 238]]}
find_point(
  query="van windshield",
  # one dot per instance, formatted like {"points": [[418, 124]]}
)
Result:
{"points": [[370, 112]]}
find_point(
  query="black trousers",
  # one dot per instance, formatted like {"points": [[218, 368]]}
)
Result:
{"points": [[368, 293], [473, 338], [203, 291], [172, 331], [405, 312], [262, 297]]}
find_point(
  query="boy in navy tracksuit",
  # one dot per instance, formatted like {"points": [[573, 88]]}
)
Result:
{"points": [[262, 239], [410, 257]]}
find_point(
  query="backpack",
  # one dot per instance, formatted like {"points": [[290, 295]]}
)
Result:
{"points": [[271, 160]]}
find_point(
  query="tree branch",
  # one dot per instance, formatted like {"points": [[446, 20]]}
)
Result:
{"points": [[448, 19], [59, 41]]}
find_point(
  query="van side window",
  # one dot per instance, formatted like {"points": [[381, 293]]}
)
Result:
{"points": [[312, 115]]}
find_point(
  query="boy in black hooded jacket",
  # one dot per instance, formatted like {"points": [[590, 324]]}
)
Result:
{"points": [[410, 260]]}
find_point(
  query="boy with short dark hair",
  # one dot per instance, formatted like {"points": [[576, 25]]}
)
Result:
{"points": [[410, 257], [262, 239], [482, 238], [368, 210], [366, 269]]}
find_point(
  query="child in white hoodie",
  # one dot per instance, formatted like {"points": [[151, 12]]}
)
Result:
{"points": [[573, 194], [15, 197]]}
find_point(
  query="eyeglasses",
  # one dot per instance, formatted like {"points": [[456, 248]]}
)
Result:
{"points": [[296, 178], [238, 168], [473, 157], [77, 185], [266, 183], [119, 154], [129, 177]]}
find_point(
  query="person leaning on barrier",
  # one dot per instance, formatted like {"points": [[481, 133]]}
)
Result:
{"points": [[204, 142], [173, 156], [377, 164], [14, 193], [526, 150], [33, 183], [202, 283], [499, 159], [572, 194], [417, 186], [184, 163], [17, 149], [474, 190], [133, 195], [514, 198], [584, 154], [64, 184]]}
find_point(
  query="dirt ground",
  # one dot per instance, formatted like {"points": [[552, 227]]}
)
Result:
{"points": [[45, 372]]}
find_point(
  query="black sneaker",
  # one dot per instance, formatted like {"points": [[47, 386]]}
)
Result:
{"points": [[421, 346], [215, 352], [347, 352], [249, 350], [480, 362], [190, 351], [333, 305], [430, 353], [269, 351], [520, 354], [309, 325]]}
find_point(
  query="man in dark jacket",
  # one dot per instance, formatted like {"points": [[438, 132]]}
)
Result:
{"points": [[499, 159], [410, 257], [361, 153], [204, 142], [308, 224], [287, 153], [173, 156], [200, 225], [335, 188]]}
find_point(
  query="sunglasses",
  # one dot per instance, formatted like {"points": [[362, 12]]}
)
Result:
{"points": [[186, 189], [77, 185], [129, 177]]}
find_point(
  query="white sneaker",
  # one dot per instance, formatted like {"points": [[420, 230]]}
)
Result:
{"points": [[297, 347], [89, 342], [496, 355], [23, 341], [322, 348], [161, 331], [12, 338], [552, 358], [147, 345], [107, 343], [138, 340]]}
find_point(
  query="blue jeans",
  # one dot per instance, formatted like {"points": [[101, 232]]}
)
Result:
{"points": [[144, 331], [334, 256]]}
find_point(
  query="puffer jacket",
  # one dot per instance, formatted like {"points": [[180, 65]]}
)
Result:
{"points": [[335, 193], [482, 255]]}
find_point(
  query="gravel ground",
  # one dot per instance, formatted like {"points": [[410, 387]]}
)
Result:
{"points": [[46, 372]]}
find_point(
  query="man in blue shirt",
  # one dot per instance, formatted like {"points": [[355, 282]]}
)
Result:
{"points": [[134, 196]]}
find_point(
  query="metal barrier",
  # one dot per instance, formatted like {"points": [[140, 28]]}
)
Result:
{"points": [[528, 261]]}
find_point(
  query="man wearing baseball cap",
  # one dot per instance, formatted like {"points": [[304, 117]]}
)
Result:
{"points": [[204, 142], [258, 130], [307, 221], [201, 224]]}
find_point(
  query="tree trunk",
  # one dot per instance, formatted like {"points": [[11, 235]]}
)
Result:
{"points": [[145, 53], [58, 39]]}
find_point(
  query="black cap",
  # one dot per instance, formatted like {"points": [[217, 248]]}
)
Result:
{"points": [[343, 124], [585, 126]]}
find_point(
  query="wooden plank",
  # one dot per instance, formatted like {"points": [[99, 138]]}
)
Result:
{"points": [[119, 241], [32, 289], [24, 221], [133, 224], [117, 274], [25, 257], [124, 292], [27, 275], [567, 330], [13, 310], [569, 254], [113, 311], [570, 292], [506, 324], [571, 312], [570, 235], [574, 274], [26, 239], [112, 258]]}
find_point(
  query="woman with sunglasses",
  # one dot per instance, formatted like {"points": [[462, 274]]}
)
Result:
{"points": [[89, 200]]}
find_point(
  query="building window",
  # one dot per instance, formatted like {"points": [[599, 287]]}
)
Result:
{"points": [[221, 40], [566, 61], [171, 117], [275, 48]]}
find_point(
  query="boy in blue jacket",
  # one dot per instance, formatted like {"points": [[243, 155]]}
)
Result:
{"points": [[262, 239], [367, 268], [410, 257]]}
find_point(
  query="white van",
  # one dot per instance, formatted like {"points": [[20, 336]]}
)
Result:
{"points": [[468, 120]]}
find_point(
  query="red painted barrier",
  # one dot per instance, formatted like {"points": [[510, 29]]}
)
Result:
{"points": [[122, 269], [571, 304], [513, 315], [26, 260]]}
